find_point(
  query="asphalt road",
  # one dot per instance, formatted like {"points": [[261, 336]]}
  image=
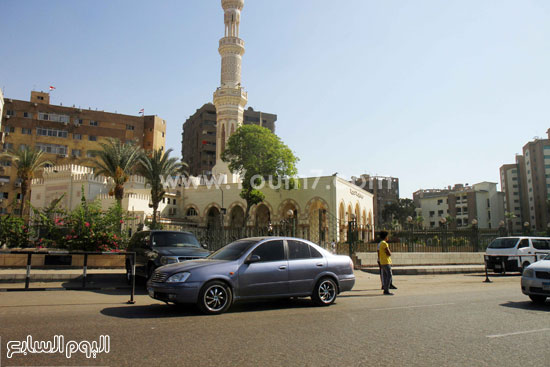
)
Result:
{"points": [[443, 320]]}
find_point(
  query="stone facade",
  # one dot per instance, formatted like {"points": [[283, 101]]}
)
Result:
{"points": [[320, 209], [72, 181]]}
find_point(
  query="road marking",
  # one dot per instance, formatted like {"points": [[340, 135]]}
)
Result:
{"points": [[517, 333], [405, 307]]}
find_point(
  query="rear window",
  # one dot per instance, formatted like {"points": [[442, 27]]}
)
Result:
{"points": [[174, 239], [503, 243]]}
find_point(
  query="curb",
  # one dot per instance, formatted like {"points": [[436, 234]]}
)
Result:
{"points": [[423, 271]]}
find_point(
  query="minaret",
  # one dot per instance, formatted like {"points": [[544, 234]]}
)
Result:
{"points": [[230, 98]]}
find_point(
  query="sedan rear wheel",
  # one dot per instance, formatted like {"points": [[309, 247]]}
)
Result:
{"points": [[325, 292], [215, 298]]}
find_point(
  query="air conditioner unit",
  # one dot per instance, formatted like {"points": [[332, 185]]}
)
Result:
{"points": [[8, 116], [18, 184], [1, 200], [65, 123]]}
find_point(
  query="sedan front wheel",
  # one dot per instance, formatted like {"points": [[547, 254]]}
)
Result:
{"points": [[325, 292], [215, 298]]}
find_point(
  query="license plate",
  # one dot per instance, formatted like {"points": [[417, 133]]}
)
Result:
{"points": [[546, 286], [151, 292]]}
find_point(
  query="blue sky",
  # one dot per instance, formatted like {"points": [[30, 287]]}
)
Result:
{"points": [[433, 92]]}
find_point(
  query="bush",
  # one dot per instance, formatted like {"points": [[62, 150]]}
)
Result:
{"points": [[14, 232], [86, 228]]}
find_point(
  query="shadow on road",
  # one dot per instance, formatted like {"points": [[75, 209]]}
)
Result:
{"points": [[528, 305], [164, 311]]}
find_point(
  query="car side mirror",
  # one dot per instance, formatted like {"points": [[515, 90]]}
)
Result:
{"points": [[204, 245], [253, 259]]}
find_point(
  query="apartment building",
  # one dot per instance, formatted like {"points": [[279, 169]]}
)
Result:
{"points": [[199, 136], [68, 135], [537, 168], [385, 191], [512, 182], [461, 206]]}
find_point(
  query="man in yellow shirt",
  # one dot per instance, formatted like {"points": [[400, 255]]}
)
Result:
{"points": [[384, 256]]}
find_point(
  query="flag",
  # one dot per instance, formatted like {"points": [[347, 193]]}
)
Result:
{"points": [[142, 111], [51, 88]]}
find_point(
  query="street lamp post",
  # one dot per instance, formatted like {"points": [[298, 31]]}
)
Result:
{"points": [[476, 234], [526, 228], [352, 228], [409, 221], [291, 219], [443, 223]]}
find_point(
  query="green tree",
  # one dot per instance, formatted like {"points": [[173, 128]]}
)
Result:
{"points": [[399, 210], [257, 154], [155, 167], [117, 160], [27, 161], [419, 221]]}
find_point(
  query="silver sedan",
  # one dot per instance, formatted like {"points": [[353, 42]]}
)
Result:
{"points": [[255, 268], [535, 280]]}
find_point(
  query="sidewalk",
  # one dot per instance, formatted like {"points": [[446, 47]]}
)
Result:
{"points": [[429, 269], [51, 275]]}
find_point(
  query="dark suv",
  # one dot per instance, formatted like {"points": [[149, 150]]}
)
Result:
{"points": [[157, 248]]}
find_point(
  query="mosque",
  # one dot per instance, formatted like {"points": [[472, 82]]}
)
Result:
{"points": [[321, 209]]}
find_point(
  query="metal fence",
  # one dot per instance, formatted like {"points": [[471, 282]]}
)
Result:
{"points": [[432, 240]]}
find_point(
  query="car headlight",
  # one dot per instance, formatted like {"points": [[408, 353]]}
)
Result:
{"points": [[165, 260], [528, 273], [178, 278]]}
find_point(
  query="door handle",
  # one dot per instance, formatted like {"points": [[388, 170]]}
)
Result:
{"points": [[282, 267], [319, 264]]}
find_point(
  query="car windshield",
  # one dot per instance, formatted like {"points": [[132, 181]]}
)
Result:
{"points": [[547, 257], [174, 239], [503, 243], [233, 251]]}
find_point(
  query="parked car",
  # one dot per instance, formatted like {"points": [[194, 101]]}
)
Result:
{"points": [[156, 248], [255, 268], [535, 280], [516, 253]]}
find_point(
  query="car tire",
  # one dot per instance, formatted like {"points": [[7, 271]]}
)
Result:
{"points": [[215, 298], [537, 299], [325, 292]]}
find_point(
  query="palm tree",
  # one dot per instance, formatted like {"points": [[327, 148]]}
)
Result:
{"points": [[117, 161], [155, 167], [27, 161]]}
